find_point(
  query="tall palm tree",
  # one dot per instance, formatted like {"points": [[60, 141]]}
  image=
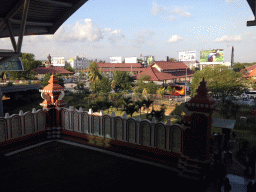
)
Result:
{"points": [[94, 73], [147, 103], [139, 104]]}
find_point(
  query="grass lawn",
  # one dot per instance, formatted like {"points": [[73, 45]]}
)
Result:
{"points": [[57, 166]]}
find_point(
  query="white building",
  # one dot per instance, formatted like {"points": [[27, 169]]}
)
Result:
{"points": [[80, 63], [130, 60]]}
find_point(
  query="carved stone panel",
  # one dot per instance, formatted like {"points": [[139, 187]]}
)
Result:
{"points": [[29, 124], [131, 131], [175, 139], [41, 121], [85, 123], [66, 117], [160, 136], [119, 128], [2, 130], [75, 121], [16, 127], [145, 133], [107, 127], [96, 125]]}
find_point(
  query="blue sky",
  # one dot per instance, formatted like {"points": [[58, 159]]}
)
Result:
{"points": [[101, 29]]}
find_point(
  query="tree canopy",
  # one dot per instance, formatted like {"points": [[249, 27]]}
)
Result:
{"points": [[220, 80], [122, 81], [29, 63], [143, 84], [103, 85]]}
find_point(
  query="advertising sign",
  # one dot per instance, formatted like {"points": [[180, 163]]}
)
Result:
{"points": [[131, 60], [215, 55], [187, 56], [58, 61], [115, 59]]}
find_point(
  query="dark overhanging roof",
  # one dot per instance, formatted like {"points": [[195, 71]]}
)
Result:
{"points": [[44, 16], [32, 17], [252, 4]]}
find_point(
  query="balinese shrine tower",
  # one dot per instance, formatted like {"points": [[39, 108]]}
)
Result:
{"points": [[196, 140], [53, 94]]}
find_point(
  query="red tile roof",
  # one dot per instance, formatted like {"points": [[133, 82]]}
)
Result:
{"points": [[253, 73], [119, 69], [164, 65], [251, 68], [156, 75], [119, 65], [44, 70]]}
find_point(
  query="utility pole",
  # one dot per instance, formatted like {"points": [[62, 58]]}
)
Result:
{"points": [[232, 56], [186, 86]]}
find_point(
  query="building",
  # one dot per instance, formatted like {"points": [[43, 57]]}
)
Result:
{"points": [[41, 71], [109, 68], [167, 72], [80, 63], [131, 60]]}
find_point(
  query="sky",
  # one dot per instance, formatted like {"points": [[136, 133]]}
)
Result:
{"points": [[102, 29]]}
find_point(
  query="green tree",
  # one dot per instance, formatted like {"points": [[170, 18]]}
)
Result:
{"points": [[172, 59], [220, 81], [130, 109], [29, 63], [144, 83], [46, 79], [94, 74], [103, 85], [239, 66], [138, 105], [160, 92], [122, 81], [69, 68], [81, 89], [147, 103]]}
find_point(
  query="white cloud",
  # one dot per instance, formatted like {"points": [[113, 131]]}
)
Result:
{"points": [[226, 38], [172, 12], [174, 39], [115, 36]]}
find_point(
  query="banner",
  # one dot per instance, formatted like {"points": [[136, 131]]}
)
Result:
{"points": [[187, 56], [215, 55]]}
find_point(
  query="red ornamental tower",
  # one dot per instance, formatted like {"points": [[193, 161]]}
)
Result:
{"points": [[200, 110], [196, 139], [53, 103]]}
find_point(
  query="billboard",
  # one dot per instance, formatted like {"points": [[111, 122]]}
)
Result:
{"points": [[214, 55], [187, 56], [115, 59], [58, 61], [131, 60]]}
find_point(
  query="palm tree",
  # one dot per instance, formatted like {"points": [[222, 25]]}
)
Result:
{"points": [[147, 103], [94, 73], [139, 104], [130, 109]]}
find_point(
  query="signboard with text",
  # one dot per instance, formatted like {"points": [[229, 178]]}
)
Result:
{"points": [[187, 56]]}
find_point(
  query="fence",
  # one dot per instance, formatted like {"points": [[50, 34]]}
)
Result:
{"points": [[15, 126], [124, 129], [135, 131]]}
